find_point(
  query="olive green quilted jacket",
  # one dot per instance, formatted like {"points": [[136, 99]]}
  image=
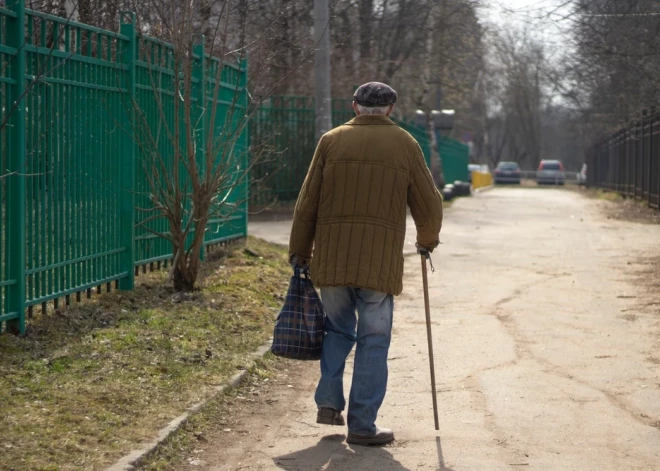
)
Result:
{"points": [[350, 217]]}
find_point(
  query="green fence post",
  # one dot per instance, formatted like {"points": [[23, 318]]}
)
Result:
{"points": [[17, 168], [245, 138], [128, 57], [199, 74]]}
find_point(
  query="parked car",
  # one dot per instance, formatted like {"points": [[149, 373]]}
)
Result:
{"points": [[472, 168], [507, 172], [550, 172]]}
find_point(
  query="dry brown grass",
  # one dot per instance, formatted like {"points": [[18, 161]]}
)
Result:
{"points": [[625, 209], [83, 388]]}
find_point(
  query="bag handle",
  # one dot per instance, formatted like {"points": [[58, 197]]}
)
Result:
{"points": [[301, 272]]}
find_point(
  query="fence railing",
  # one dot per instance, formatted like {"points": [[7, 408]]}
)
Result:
{"points": [[628, 161], [282, 132], [71, 173]]}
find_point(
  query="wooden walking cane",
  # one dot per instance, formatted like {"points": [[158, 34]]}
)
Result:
{"points": [[426, 255]]}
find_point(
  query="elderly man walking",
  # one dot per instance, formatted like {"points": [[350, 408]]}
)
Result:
{"points": [[349, 223]]}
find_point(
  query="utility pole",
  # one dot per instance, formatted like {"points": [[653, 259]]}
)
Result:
{"points": [[71, 9], [322, 67]]}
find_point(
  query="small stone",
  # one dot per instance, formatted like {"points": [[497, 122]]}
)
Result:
{"points": [[227, 430], [200, 436]]}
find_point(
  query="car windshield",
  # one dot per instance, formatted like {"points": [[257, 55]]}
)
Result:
{"points": [[551, 166], [507, 166]]}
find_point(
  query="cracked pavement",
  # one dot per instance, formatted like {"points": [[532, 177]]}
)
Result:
{"points": [[547, 351]]}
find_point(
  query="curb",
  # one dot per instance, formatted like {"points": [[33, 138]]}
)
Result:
{"points": [[129, 462], [484, 188]]}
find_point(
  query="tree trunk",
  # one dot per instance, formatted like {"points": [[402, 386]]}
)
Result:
{"points": [[186, 265], [183, 280], [242, 22], [85, 11], [184, 273], [428, 58], [365, 16]]}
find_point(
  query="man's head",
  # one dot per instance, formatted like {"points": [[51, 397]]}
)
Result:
{"points": [[374, 98]]}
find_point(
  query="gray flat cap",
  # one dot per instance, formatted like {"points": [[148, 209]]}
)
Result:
{"points": [[375, 94]]}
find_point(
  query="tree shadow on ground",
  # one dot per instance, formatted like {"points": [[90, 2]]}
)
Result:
{"points": [[331, 453]]}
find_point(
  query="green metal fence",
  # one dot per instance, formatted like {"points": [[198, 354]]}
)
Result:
{"points": [[421, 135], [71, 163], [282, 139], [282, 135], [455, 158]]}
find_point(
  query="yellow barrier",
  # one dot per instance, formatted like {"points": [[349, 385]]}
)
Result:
{"points": [[481, 179]]}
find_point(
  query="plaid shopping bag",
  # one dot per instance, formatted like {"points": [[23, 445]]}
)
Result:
{"points": [[299, 326]]}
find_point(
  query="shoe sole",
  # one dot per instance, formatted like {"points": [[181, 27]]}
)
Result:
{"points": [[329, 421], [369, 441]]}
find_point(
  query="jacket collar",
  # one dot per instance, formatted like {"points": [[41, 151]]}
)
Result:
{"points": [[371, 119]]}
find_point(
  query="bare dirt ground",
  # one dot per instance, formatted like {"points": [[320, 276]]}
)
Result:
{"points": [[546, 318]]}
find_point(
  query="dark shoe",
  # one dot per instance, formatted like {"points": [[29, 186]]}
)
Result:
{"points": [[329, 416], [383, 436]]}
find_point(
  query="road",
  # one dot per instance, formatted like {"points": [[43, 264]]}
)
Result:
{"points": [[547, 348]]}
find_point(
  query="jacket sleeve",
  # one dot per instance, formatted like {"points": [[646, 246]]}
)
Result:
{"points": [[425, 202], [301, 241]]}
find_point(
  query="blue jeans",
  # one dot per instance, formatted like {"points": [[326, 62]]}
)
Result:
{"points": [[372, 331]]}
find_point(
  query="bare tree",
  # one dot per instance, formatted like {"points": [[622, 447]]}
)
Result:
{"points": [[191, 152], [608, 71], [618, 57], [518, 96], [193, 146]]}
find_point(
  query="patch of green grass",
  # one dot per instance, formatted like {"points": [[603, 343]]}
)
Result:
{"points": [[608, 195], [84, 387]]}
